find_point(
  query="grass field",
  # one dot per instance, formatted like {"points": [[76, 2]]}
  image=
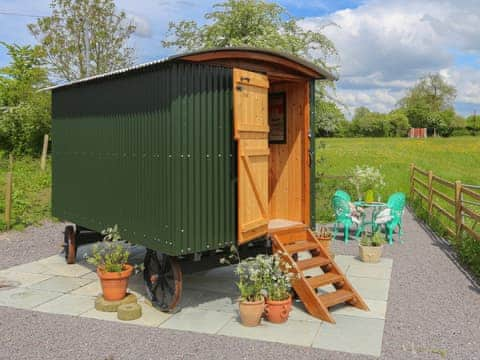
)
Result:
{"points": [[456, 158], [31, 192]]}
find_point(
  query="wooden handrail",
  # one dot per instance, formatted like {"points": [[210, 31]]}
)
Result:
{"points": [[461, 209], [443, 181]]}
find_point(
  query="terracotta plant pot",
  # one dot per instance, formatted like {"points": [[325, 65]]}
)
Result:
{"points": [[114, 284], [251, 312], [278, 311], [370, 254]]}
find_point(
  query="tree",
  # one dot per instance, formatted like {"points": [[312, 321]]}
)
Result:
{"points": [[24, 111], [84, 37], [473, 122], [255, 23], [369, 123], [328, 118], [426, 102], [399, 124]]}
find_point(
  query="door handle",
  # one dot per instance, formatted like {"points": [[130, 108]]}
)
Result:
{"points": [[244, 78]]}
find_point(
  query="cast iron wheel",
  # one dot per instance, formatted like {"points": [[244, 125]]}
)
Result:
{"points": [[70, 246], [163, 280]]}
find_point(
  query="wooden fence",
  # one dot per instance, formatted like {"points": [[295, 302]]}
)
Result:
{"points": [[457, 203]]}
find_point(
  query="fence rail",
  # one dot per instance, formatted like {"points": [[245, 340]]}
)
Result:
{"points": [[458, 203]]}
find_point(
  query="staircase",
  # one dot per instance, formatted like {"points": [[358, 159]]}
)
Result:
{"points": [[296, 239]]}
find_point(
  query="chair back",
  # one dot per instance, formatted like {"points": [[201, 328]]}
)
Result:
{"points": [[343, 194], [341, 208], [396, 202]]}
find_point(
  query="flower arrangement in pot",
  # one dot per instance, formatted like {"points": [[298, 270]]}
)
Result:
{"points": [[370, 247], [366, 180], [250, 284], [111, 262], [277, 281]]}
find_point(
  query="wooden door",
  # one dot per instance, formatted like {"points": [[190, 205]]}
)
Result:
{"points": [[250, 104]]}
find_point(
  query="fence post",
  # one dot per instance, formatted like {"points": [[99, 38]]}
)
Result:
{"points": [[458, 209], [43, 159], [412, 172], [430, 192], [8, 193]]}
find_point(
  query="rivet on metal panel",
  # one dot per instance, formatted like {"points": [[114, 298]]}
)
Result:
{"points": [[208, 246], [170, 243], [208, 156], [219, 155], [188, 155], [169, 155], [182, 230], [181, 156], [189, 249]]}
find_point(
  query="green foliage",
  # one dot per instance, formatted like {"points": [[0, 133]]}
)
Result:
{"points": [[373, 124], [31, 191], [428, 104], [24, 112], [277, 278], [254, 23], [375, 239], [328, 118], [399, 124], [473, 122], [111, 256], [84, 38], [365, 178], [469, 253], [250, 278]]}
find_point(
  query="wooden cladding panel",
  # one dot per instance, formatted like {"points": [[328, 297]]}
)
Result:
{"points": [[288, 188], [251, 132]]}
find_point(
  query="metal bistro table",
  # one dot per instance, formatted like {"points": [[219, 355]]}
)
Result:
{"points": [[376, 207]]}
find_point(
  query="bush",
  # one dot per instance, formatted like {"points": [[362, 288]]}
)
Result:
{"points": [[31, 192], [22, 127]]}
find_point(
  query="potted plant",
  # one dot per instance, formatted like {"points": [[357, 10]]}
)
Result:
{"points": [[325, 237], [252, 301], [111, 262], [277, 282], [370, 247], [366, 180]]}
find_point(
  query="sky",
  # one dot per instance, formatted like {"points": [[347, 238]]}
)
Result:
{"points": [[384, 46]]}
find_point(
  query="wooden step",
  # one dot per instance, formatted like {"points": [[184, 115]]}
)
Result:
{"points": [[325, 279], [300, 246], [313, 262], [336, 297], [295, 240]]}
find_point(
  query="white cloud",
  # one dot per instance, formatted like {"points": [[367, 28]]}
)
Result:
{"points": [[385, 46]]}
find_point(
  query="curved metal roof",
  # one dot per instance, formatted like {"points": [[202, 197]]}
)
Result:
{"points": [[315, 71]]}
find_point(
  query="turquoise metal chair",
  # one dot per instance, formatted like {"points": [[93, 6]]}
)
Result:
{"points": [[343, 216], [343, 194], [396, 204]]}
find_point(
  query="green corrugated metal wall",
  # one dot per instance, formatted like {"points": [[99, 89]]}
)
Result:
{"points": [[152, 151]]}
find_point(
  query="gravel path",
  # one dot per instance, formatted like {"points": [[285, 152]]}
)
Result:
{"points": [[433, 313], [33, 243]]}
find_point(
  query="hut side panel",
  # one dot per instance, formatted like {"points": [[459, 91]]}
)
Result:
{"points": [[152, 151]]}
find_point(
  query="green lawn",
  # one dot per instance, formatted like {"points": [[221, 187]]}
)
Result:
{"points": [[31, 192], [455, 158]]}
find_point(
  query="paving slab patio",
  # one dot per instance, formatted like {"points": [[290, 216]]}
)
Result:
{"points": [[209, 303]]}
